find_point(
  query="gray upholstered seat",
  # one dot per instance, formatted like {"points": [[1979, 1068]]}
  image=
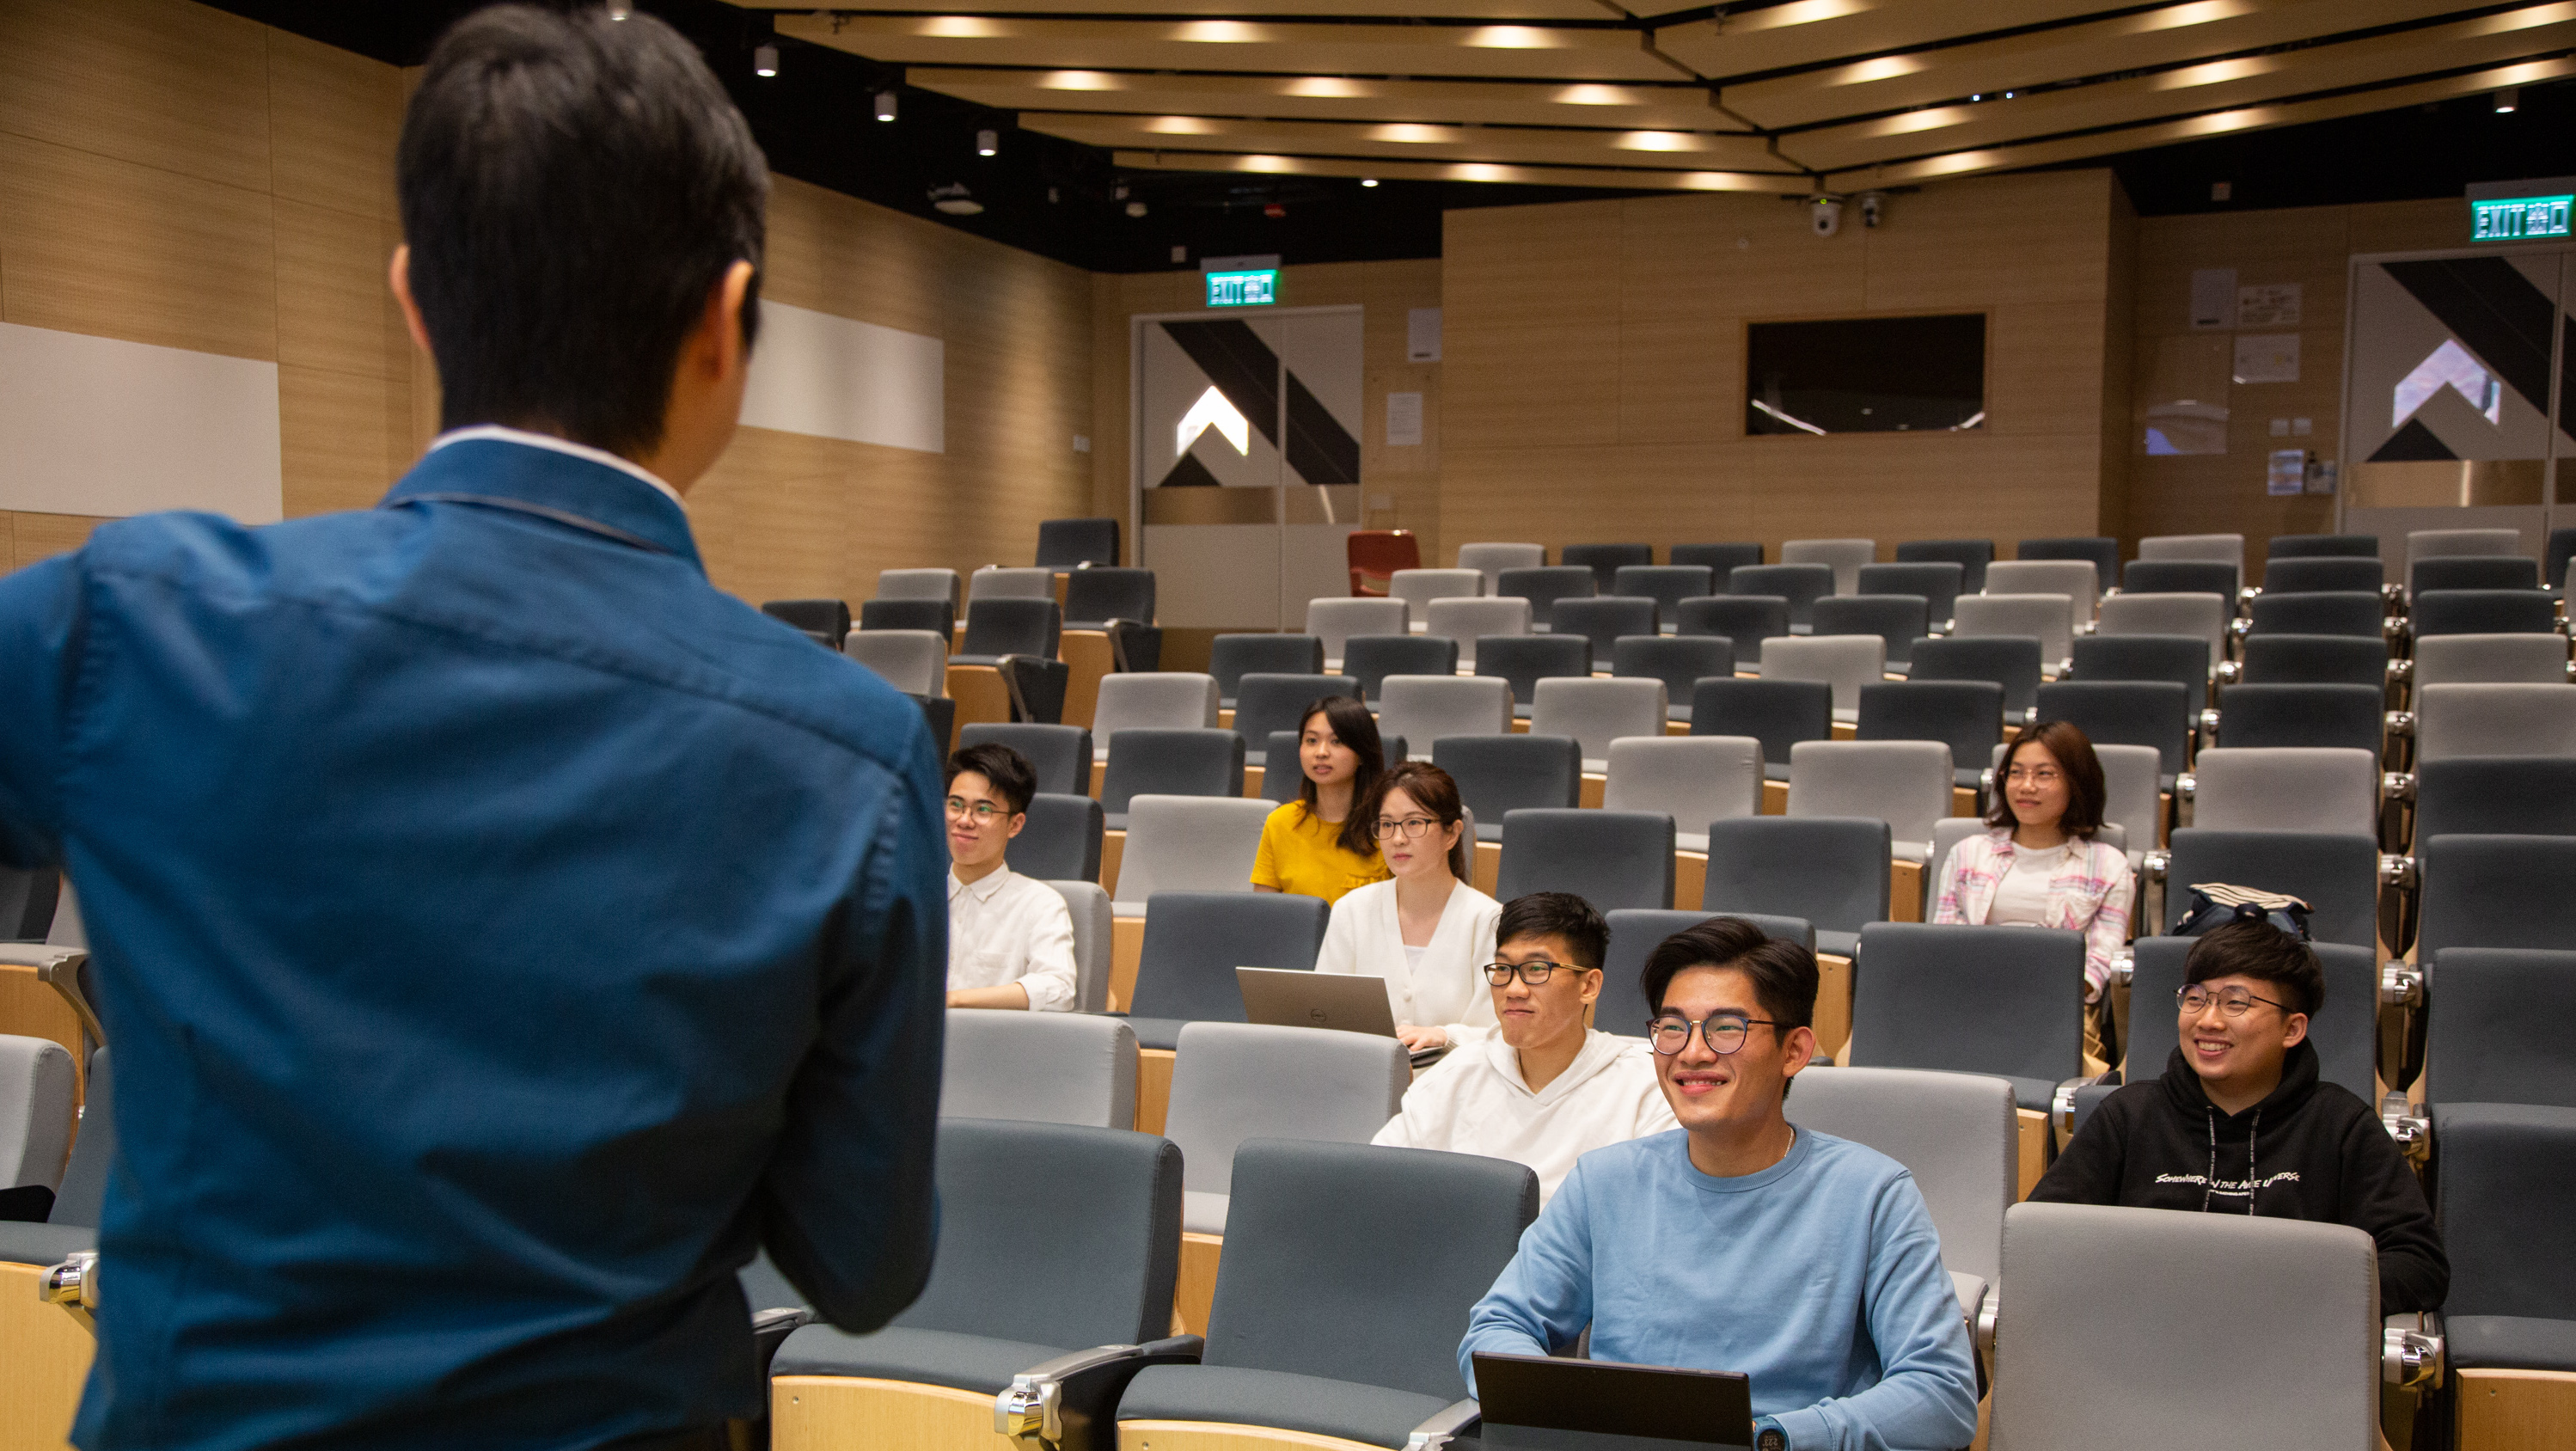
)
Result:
{"points": [[1497, 774], [2303, 715], [1604, 620], [1231, 657], [2484, 612], [2494, 720], [2508, 1171], [36, 1088], [1681, 662], [1597, 712], [1490, 560], [912, 661], [1195, 940], [1420, 589], [1831, 873], [2496, 795], [1469, 619], [2292, 575], [1897, 620], [1155, 700], [2335, 873], [1845, 662], [1939, 582], [1965, 715], [2005, 1001], [1799, 584], [2498, 1036], [1608, 858], [993, 582], [1072, 543], [1971, 555], [1370, 659], [1666, 584], [1778, 713], [1904, 783], [1745, 621], [2288, 659], [2523, 659], [1635, 932], [999, 625], [2286, 788], [1060, 755], [2027, 576], [1843, 556], [2042, 617], [2496, 891], [1187, 844], [1692, 779], [2125, 712], [1238, 1081], [1169, 763], [1525, 660], [72, 1226], [1606, 560], [1057, 1068], [1335, 618], [2357, 613], [2103, 554], [1094, 922], [1423, 709], [1061, 841], [1956, 1133], [920, 584], [2011, 661], [1543, 586]]}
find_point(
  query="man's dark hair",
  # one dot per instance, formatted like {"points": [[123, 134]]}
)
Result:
{"points": [[1783, 973], [572, 189], [2255, 948], [1561, 915], [1009, 772]]}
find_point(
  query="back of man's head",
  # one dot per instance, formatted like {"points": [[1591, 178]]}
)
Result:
{"points": [[2256, 949], [573, 188]]}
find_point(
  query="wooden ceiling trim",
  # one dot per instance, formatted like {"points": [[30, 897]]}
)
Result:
{"points": [[1820, 32], [1562, 10], [1276, 165], [1287, 48], [2171, 35], [1661, 150], [2194, 128], [1331, 98], [2190, 91]]}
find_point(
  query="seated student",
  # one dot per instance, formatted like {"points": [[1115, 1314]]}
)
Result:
{"points": [[1319, 845], [2240, 1124], [2038, 863], [1544, 1090], [1424, 930], [1010, 937], [1741, 1242]]}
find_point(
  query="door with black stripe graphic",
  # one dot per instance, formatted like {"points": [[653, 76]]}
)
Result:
{"points": [[2453, 407], [1246, 461]]}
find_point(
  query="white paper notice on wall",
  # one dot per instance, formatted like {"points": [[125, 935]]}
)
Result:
{"points": [[2213, 297], [1403, 420], [835, 377], [2267, 358], [2269, 304], [109, 428], [1422, 335]]}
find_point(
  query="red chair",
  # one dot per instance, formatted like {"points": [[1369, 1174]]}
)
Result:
{"points": [[1375, 556]]}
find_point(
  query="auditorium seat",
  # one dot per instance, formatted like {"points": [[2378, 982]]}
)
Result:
{"points": [[1681, 662], [1374, 555], [1098, 596], [1185, 844], [1843, 556], [1606, 560], [2483, 612], [921, 584], [1744, 621], [993, 582], [1160, 700], [1666, 584], [1335, 618], [2284, 659], [2045, 618], [2494, 720], [2323, 546], [1264, 703], [2290, 576], [1095, 934], [1844, 662], [1501, 773], [1142, 762], [2301, 715], [1717, 558], [2495, 891], [912, 661], [1940, 583], [1423, 708], [1525, 660], [1069, 544], [1419, 589], [1543, 586], [1490, 560], [1319, 1337], [1693, 779], [1907, 784], [1107, 1232], [1965, 715], [1193, 942], [1778, 713], [1055, 1068], [828, 619], [1060, 755], [2000, 1001], [2500, 1030], [1799, 584], [2449, 543], [1971, 555], [2126, 712], [1597, 712], [2204, 617], [2356, 613], [2227, 549], [1832, 874], [936, 616], [1467, 620], [2496, 795], [2554, 557], [1370, 659], [2181, 576], [2180, 659], [1009, 625], [1062, 840], [1635, 932], [2283, 788], [1233, 656], [1896, 620], [2336, 873], [1604, 620], [2506, 1174], [2103, 554], [2472, 571], [37, 1089], [1956, 1133], [1608, 858], [2011, 662], [2492, 660], [2049, 577]]}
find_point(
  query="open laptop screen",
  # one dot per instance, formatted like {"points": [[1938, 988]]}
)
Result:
{"points": [[1541, 1403]]}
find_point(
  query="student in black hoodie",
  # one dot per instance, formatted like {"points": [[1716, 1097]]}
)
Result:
{"points": [[2240, 1124]]}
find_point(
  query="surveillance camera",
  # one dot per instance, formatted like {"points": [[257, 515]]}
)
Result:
{"points": [[1825, 214], [1873, 205]]}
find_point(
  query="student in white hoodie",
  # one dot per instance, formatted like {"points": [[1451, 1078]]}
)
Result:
{"points": [[1543, 1090], [1424, 930]]}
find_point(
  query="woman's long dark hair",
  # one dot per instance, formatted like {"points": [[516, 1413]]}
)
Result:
{"points": [[1354, 727], [1431, 789], [2084, 791]]}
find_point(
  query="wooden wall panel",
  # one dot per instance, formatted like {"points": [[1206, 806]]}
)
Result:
{"points": [[162, 83], [332, 439], [330, 299], [1531, 318], [42, 536], [335, 117]]}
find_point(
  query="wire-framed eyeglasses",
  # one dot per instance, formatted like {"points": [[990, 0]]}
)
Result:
{"points": [[1411, 828], [982, 813], [2235, 1002], [1722, 1032]]}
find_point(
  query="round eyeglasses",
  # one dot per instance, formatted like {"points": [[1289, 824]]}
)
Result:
{"points": [[982, 813], [1722, 1032], [2233, 1003]]}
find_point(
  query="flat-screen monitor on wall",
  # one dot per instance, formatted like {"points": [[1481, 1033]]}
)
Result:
{"points": [[1866, 375]]}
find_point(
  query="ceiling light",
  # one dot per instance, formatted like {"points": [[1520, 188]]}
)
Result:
{"points": [[619, 9], [1368, 181], [764, 61], [1136, 209], [2508, 100], [885, 105], [987, 142], [955, 200]]}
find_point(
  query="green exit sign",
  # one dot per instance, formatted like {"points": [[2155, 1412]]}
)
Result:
{"points": [[1260, 288], [2520, 218]]}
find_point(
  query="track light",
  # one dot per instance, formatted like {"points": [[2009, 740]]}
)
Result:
{"points": [[764, 61], [619, 9], [1368, 181], [885, 105], [988, 143], [2508, 100]]}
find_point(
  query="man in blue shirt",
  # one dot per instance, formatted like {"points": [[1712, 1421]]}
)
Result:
{"points": [[1740, 1242], [500, 932]]}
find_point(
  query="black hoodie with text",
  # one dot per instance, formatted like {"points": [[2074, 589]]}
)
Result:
{"points": [[2309, 1150]]}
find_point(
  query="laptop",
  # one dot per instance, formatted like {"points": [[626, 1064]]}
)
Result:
{"points": [[1291, 998], [1542, 1403]]}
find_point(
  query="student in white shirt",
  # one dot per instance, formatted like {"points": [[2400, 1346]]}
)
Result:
{"points": [[1543, 1090], [1424, 930], [1010, 937]]}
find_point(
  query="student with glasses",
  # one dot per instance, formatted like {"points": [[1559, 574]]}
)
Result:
{"points": [[1742, 1242], [1545, 1088], [1423, 929], [2239, 1123], [2038, 863], [1010, 937]]}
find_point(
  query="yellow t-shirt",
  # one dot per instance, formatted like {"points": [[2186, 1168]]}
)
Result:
{"points": [[1299, 855]]}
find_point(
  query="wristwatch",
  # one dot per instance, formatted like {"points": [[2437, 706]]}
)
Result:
{"points": [[1771, 1438]]}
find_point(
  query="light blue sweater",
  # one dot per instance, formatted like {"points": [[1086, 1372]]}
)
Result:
{"points": [[1819, 1277]]}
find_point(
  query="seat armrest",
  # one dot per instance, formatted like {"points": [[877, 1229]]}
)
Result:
{"points": [[1989, 1311], [1054, 1406], [2412, 1353], [73, 1284], [2209, 725], [58, 968], [1458, 1418], [2412, 1131], [2124, 966], [2229, 672]]}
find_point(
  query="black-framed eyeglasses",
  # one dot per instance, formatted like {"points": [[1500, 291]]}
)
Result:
{"points": [[2233, 1003], [1410, 828], [1535, 972], [1722, 1032]]}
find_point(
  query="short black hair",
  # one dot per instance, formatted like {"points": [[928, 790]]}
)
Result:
{"points": [[1008, 771], [1556, 914], [2254, 948], [1783, 972], [572, 189]]}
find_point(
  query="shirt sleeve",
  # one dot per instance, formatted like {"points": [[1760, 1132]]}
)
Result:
{"points": [[1341, 950], [1265, 861], [2109, 930], [1926, 1396], [2088, 1169], [1050, 982], [1543, 1298], [1945, 906], [847, 1206], [2382, 1197], [40, 630]]}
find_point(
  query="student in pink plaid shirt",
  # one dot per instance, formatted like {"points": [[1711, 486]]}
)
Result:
{"points": [[2039, 865]]}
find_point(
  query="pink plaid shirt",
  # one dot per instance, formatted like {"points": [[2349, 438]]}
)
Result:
{"points": [[2091, 895]]}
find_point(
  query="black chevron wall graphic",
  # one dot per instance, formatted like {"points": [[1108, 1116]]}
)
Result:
{"points": [[1246, 372]]}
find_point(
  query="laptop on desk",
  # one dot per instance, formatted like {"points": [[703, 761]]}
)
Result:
{"points": [[1290, 998], [1542, 1403]]}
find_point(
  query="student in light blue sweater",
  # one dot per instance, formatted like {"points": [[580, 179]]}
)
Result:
{"points": [[1742, 1243]]}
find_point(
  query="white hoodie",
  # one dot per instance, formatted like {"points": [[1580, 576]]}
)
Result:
{"points": [[1475, 1102]]}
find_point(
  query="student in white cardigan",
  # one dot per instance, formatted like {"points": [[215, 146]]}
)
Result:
{"points": [[1543, 1090], [1424, 930]]}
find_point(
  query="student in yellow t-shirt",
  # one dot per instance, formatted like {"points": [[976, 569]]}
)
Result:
{"points": [[1315, 846]]}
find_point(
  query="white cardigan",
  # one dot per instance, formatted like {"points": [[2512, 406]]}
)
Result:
{"points": [[1449, 990]]}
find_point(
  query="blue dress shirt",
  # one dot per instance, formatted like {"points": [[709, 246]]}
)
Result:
{"points": [[501, 932]]}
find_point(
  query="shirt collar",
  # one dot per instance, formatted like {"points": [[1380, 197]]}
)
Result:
{"points": [[542, 475], [983, 887]]}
